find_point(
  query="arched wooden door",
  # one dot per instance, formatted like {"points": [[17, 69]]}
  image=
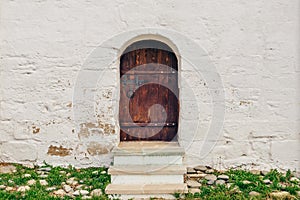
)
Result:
{"points": [[149, 106]]}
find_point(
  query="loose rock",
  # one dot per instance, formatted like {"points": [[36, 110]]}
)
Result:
{"points": [[294, 179], [31, 182], [8, 189], [2, 187], [267, 181], [220, 182], [103, 172], [59, 192], [210, 177], [196, 175], [254, 193], [23, 188], [210, 171], [27, 175], [43, 176], [67, 188], [236, 189], [210, 182], [194, 190], [246, 182], [71, 195], [43, 182], [72, 181], [282, 194], [45, 169], [81, 192], [96, 192], [200, 168], [86, 197], [78, 187], [50, 189], [193, 184], [223, 177], [95, 172]]}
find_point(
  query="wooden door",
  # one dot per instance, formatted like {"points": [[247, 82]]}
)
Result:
{"points": [[149, 106]]}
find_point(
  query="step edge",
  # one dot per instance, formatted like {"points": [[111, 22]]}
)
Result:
{"points": [[145, 189], [147, 170], [146, 153]]}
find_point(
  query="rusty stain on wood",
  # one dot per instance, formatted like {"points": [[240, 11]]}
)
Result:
{"points": [[59, 151]]}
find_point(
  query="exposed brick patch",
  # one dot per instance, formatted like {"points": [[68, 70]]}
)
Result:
{"points": [[59, 151]]}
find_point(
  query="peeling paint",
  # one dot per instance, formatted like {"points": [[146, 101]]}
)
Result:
{"points": [[107, 94], [95, 148], [87, 129], [245, 103], [69, 105], [35, 129], [59, 151], [51, 122]]}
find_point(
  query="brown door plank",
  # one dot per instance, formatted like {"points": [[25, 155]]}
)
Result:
{"points": [[148, 65]]}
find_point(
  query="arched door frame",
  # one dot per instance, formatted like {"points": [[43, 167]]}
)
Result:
{"points": [[142, 37]]}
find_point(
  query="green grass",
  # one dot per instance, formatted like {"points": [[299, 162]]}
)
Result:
{"points": [[94, 178], [55, 179], [236, 177]]}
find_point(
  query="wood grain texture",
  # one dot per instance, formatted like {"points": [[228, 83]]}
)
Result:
{"points": [[146, 66]]}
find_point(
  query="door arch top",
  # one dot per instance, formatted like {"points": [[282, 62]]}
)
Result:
{"points": [[167, 44], [147, 44]]}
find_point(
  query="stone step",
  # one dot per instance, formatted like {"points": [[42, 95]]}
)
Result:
{"points": [[145, 153], [148, 148], [148, 189], [142, 174], [147, 160], [147, 169], [143, 179]]}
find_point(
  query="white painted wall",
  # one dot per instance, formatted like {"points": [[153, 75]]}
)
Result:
{"points": [[47, 46]]}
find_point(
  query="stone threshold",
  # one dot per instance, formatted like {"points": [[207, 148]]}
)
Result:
{"points": [[146, 189], [148, 148]]}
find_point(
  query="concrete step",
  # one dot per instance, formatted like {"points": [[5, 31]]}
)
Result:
{"points": [[145, 153], [148, 189], [148, 148], [147, 169], [147, 160], [142, 174], [143, 179]]}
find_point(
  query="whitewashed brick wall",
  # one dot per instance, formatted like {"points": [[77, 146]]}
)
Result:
{"points": [[254, 46]]}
